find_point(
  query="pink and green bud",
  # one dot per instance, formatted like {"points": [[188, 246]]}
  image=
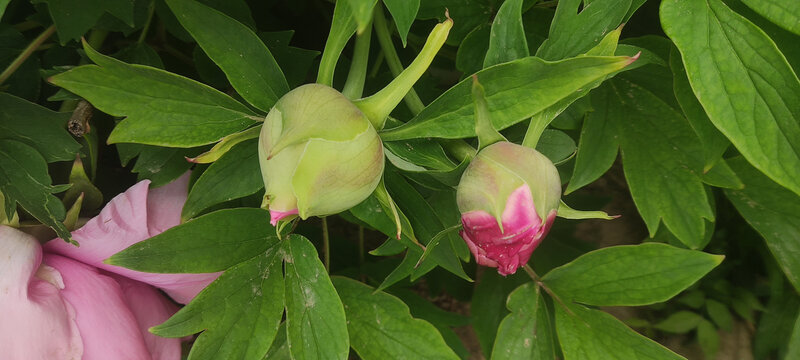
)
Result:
{"points": [[508, 198], [319, 154]]}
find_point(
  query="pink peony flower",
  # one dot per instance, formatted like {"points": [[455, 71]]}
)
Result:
{"points": [[508, 198], [66, 304]]}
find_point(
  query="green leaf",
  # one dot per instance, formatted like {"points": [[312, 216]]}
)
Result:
{"points": [[465, 18], [488, 307], [515, 91], [162, 108], [679, 322], [38, 127], [630, 275], [744, 83], [525, 333], [73, 18], [573, 33], [236, 174], [381, 327], [225, 144], [3, 5], [238, 314], [599, 142], [566, 212], [362, 12], [82, 186], [426, 227], [295, 62], [774, 212], [785, 14], [593, 334], [237, 50], [472, 50], [708, 338], [720, 314], [507, 40], [556, 145], [794, 341], [714, 143], [661, 159], [315, 318], [776, 323], [721, 175], [210, 243], [159, 164], [24, 179], [403, 12]]}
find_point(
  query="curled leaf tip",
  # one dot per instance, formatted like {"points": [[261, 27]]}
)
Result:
{"points": [[191, 160], [447, 15], [634, 58]]}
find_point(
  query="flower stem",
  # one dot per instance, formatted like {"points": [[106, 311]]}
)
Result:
{"points": [[343, 27], [528, 269], [354, 86], [26, 53], [411, 99], [536, 127], [360, 245], [378, 106], [150, 9], [326, 245]]}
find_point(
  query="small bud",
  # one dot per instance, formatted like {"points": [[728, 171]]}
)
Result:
{"points": [[508, 198], [319, 154]]}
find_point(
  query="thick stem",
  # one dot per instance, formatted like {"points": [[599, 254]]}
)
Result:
{"points": [[343, 27], [354, 86], [326, 245], [26, 53], [378, 106], [459, 149], [536, 127]]}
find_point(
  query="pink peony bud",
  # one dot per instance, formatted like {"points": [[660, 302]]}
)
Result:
{"points": [[508, 198]]}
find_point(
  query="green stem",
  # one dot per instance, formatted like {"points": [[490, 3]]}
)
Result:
{"points": [[26, 53], [536, 127], [459, 149], [360, 245], [354, 86], [326, 244], [150, 9], [412, 100], [528, 269], [343, 26], [95, 40]]}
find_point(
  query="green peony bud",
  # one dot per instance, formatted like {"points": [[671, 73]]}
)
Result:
{"points": [[319, 154]]}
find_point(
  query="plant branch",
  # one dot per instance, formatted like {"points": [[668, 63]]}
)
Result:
{"points": [[326, 245], [150, 9], [354, 86], [26, 53], [411, 99], [528, 269]]}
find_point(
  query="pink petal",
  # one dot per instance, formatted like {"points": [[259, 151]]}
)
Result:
{"points": [[164, 205], [36, 323], [276, 215], [150, 309], [108, 327], [133, 216], [510, 247]]}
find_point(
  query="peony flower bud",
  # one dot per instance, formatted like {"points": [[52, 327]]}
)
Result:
{"points": [[508, 198], [319, 154]]}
